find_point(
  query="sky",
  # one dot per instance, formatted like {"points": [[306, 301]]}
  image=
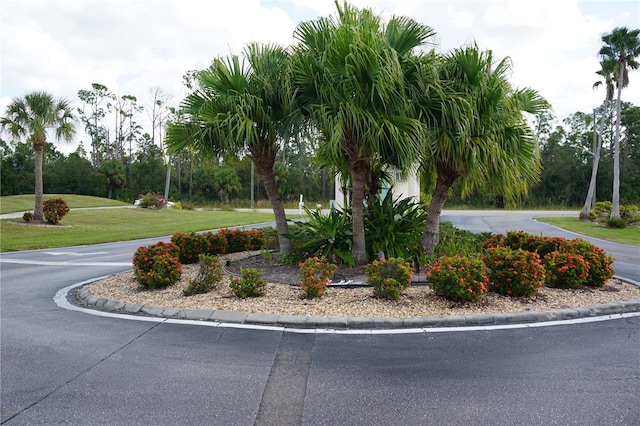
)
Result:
{"points": [[136, 46]]}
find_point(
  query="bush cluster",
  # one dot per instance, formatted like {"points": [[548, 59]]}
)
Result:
{"points": [[250, 283], [54, 210], [601, 212], [389, 277], [315, 274], [191, 245], [157, 265], [565, 270], [600, 264], [457, 278], [152, 200], [208, 277], [28, 216], [515, 273], [241, 240]]}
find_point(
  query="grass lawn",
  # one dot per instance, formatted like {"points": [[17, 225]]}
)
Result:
{"points": [[25, 203], [101, 226], [629, 235]]}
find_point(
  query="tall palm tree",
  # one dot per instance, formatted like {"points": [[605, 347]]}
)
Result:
{"points": [[623, 46], [242, 107], [484, 141], [607, 67], [349, 80], [31, 118]]}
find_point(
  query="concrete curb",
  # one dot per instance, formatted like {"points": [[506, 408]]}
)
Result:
{"points": [[84, 296]]}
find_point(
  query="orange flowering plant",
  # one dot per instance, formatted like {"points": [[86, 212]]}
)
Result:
{"points": [[191, 245], [389, 277], [54, 210], [457, 278], [565, 270], [157, 265], [600, 269], [515, 273], [315, 274]]}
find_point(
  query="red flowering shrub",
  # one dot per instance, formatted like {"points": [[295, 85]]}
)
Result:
{"points": [[242, 240], [389, 277], [191, 246], [54, 210], [250, 283], [157, 265], [257, 239], [522, 240], [565, 270], [600, 269], [456, 278], [216, 243], [515, 273], [315, 274]]}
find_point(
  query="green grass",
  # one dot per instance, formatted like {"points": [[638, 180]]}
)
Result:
{"points": [[629, 235], [25, 203], [101, 226]]}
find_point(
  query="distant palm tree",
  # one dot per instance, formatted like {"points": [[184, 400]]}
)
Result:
{"points": [[607, 67], [623, 46], [31, 118], [484, 141], [242, 107]]}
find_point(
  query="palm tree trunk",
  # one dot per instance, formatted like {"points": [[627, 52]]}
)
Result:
{"points": [[359, 248], [431, 234], [265, 171], [615, 199], [584, 214], [39, 154]]}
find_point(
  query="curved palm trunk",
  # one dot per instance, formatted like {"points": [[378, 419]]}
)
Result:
{"points": [[431, 234], [265, 171], [584, 214], [359, 248], [39, 154], [615, 199]]}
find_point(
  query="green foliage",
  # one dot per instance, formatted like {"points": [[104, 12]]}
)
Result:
{"points": [[454, 241], [326, 235], [389, 277], [565, 270], [394, 227], [315, 274], [152, 200], [241, 240], [271, 238], [209, 275], [54, 210], [600, 269], [157, 265], [216, 243], [617, 223], [27, 217], [457, 278], [515, 273], [191, 245], [250, 283]]}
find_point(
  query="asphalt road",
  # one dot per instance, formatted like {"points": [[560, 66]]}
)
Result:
{"points": [[66, 367]]}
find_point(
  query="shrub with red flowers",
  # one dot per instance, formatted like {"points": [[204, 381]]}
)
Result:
{"points": [[157, 265], [208, 277], [315, 274], [459, 279], [600, 269], [515, 273], [250, 283], [522, 240], [54, 210], [216, 243], [242, 240], [191, 246], [257, 239], [389, 277], [28, 216], [565, 270]]}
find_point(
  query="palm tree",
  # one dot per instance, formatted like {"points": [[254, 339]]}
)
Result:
{"points": [[350, 82], [623, 46], [242, 107], [483, 141], [31, 118], [606, 72]]}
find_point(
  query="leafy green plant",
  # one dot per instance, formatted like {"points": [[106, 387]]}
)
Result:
{"points": [[600, 264], [394, 227], [389, 277], [54, 210], [457, 278], [151, 200], [315, 274], [565, 270], [191, 246], [28, 217], [617, 223], [454, 241], [326, 235], [515, 273], [216, 243], [157, 265], [250, 283], [209, 275]]}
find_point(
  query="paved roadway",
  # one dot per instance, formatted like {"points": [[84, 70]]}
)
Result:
{"points": [[68, 367]]}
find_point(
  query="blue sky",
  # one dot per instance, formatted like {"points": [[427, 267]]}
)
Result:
{"points": [[132, 46]]}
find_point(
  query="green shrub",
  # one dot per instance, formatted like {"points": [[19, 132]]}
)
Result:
{"points": [[616, 223], [394, 227], [389, 277], [216, 243], [457, 278], [515, 273], [600, 264], [271, 238], [54, 210], [250, 283], [315, 274], [630, 213], [191, 246], [455, 242], [209, 275], [151, 200], [565, 270], [177, 205], [157, 265], [28, 216]]}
